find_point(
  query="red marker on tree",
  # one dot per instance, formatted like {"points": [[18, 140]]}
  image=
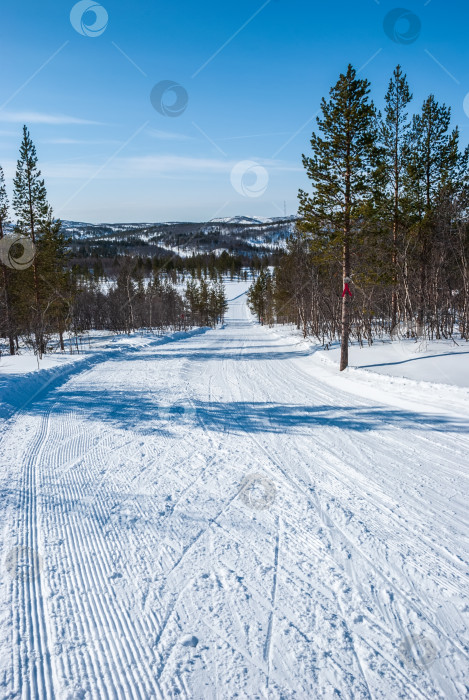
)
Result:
{"points": [[347, 281]]}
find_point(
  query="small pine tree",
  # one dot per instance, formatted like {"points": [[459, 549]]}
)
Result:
{"points": [[260, 297], [54, 278], [221, 301]]}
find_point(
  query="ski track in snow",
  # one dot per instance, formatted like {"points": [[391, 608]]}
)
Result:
{"points": [[121, 490]]}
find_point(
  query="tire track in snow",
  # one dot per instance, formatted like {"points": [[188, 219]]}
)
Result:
{"points": [[82, 610], [270, 626], [91, 580], [34, 665], [102, 604], [80, 667]]}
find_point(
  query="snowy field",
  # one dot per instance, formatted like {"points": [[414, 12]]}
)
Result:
{"points": [[438, 362], [221, 514]]}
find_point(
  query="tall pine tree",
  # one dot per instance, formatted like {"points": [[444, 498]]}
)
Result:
{"points": [[46, 306], [341, 170], [395, 138], [31, 208], [434, 164]]}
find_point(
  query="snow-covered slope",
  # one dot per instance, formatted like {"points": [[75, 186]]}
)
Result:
{"points": [[219, 517]]}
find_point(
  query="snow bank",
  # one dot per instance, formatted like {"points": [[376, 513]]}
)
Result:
{"points": [[21, 381], [440, 361]]}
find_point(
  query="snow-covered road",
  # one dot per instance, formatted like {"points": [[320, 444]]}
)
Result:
{"points": [[211, 518]]}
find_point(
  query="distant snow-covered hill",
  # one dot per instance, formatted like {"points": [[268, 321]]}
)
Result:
{"points": [[238, 234], [249, 221]]}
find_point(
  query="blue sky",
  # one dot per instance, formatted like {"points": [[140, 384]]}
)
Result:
{"points": [[253, 72]]}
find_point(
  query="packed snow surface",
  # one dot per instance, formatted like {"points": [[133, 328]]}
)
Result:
{"points": [[222, 514]]}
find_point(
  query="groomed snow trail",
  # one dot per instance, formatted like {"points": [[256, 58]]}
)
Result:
{"points": [[137, 563]]}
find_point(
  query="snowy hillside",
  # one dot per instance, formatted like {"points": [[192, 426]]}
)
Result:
{"points": [[238, 234]]}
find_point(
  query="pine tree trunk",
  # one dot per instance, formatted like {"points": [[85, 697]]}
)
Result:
{"points": [[424, 233], [394, 235], [345, 272], [38, 329], [422, 285], [132, 321], [345, 306], [394, 278], [11, 337]]}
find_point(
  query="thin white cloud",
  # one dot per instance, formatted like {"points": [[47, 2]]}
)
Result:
{"points": [[161, 164], [149, 166], [79, 142], [41, 118], [135, 167], [168, 135], [253, 136]]}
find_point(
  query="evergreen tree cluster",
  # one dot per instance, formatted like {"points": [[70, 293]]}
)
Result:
{"points": [[207, 302], [261, 297], [102, 261], [387, 216], [135, 302]]}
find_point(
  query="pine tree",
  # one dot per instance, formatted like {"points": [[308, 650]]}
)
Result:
{"points": [[5, 271], [221, 301], [260, 297], [341, 169], [203, 299], [55, 281], [395, 137], [32, 212], [435, 163], [192, 297]]}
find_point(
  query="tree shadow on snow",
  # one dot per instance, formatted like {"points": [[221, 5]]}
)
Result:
{"points": [[232, 351], [449, 355], [141, 412]]}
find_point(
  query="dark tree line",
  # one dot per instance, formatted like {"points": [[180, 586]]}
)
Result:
{"points": [[46, 298], [387, 219], [137, 303], [92, 265]]}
